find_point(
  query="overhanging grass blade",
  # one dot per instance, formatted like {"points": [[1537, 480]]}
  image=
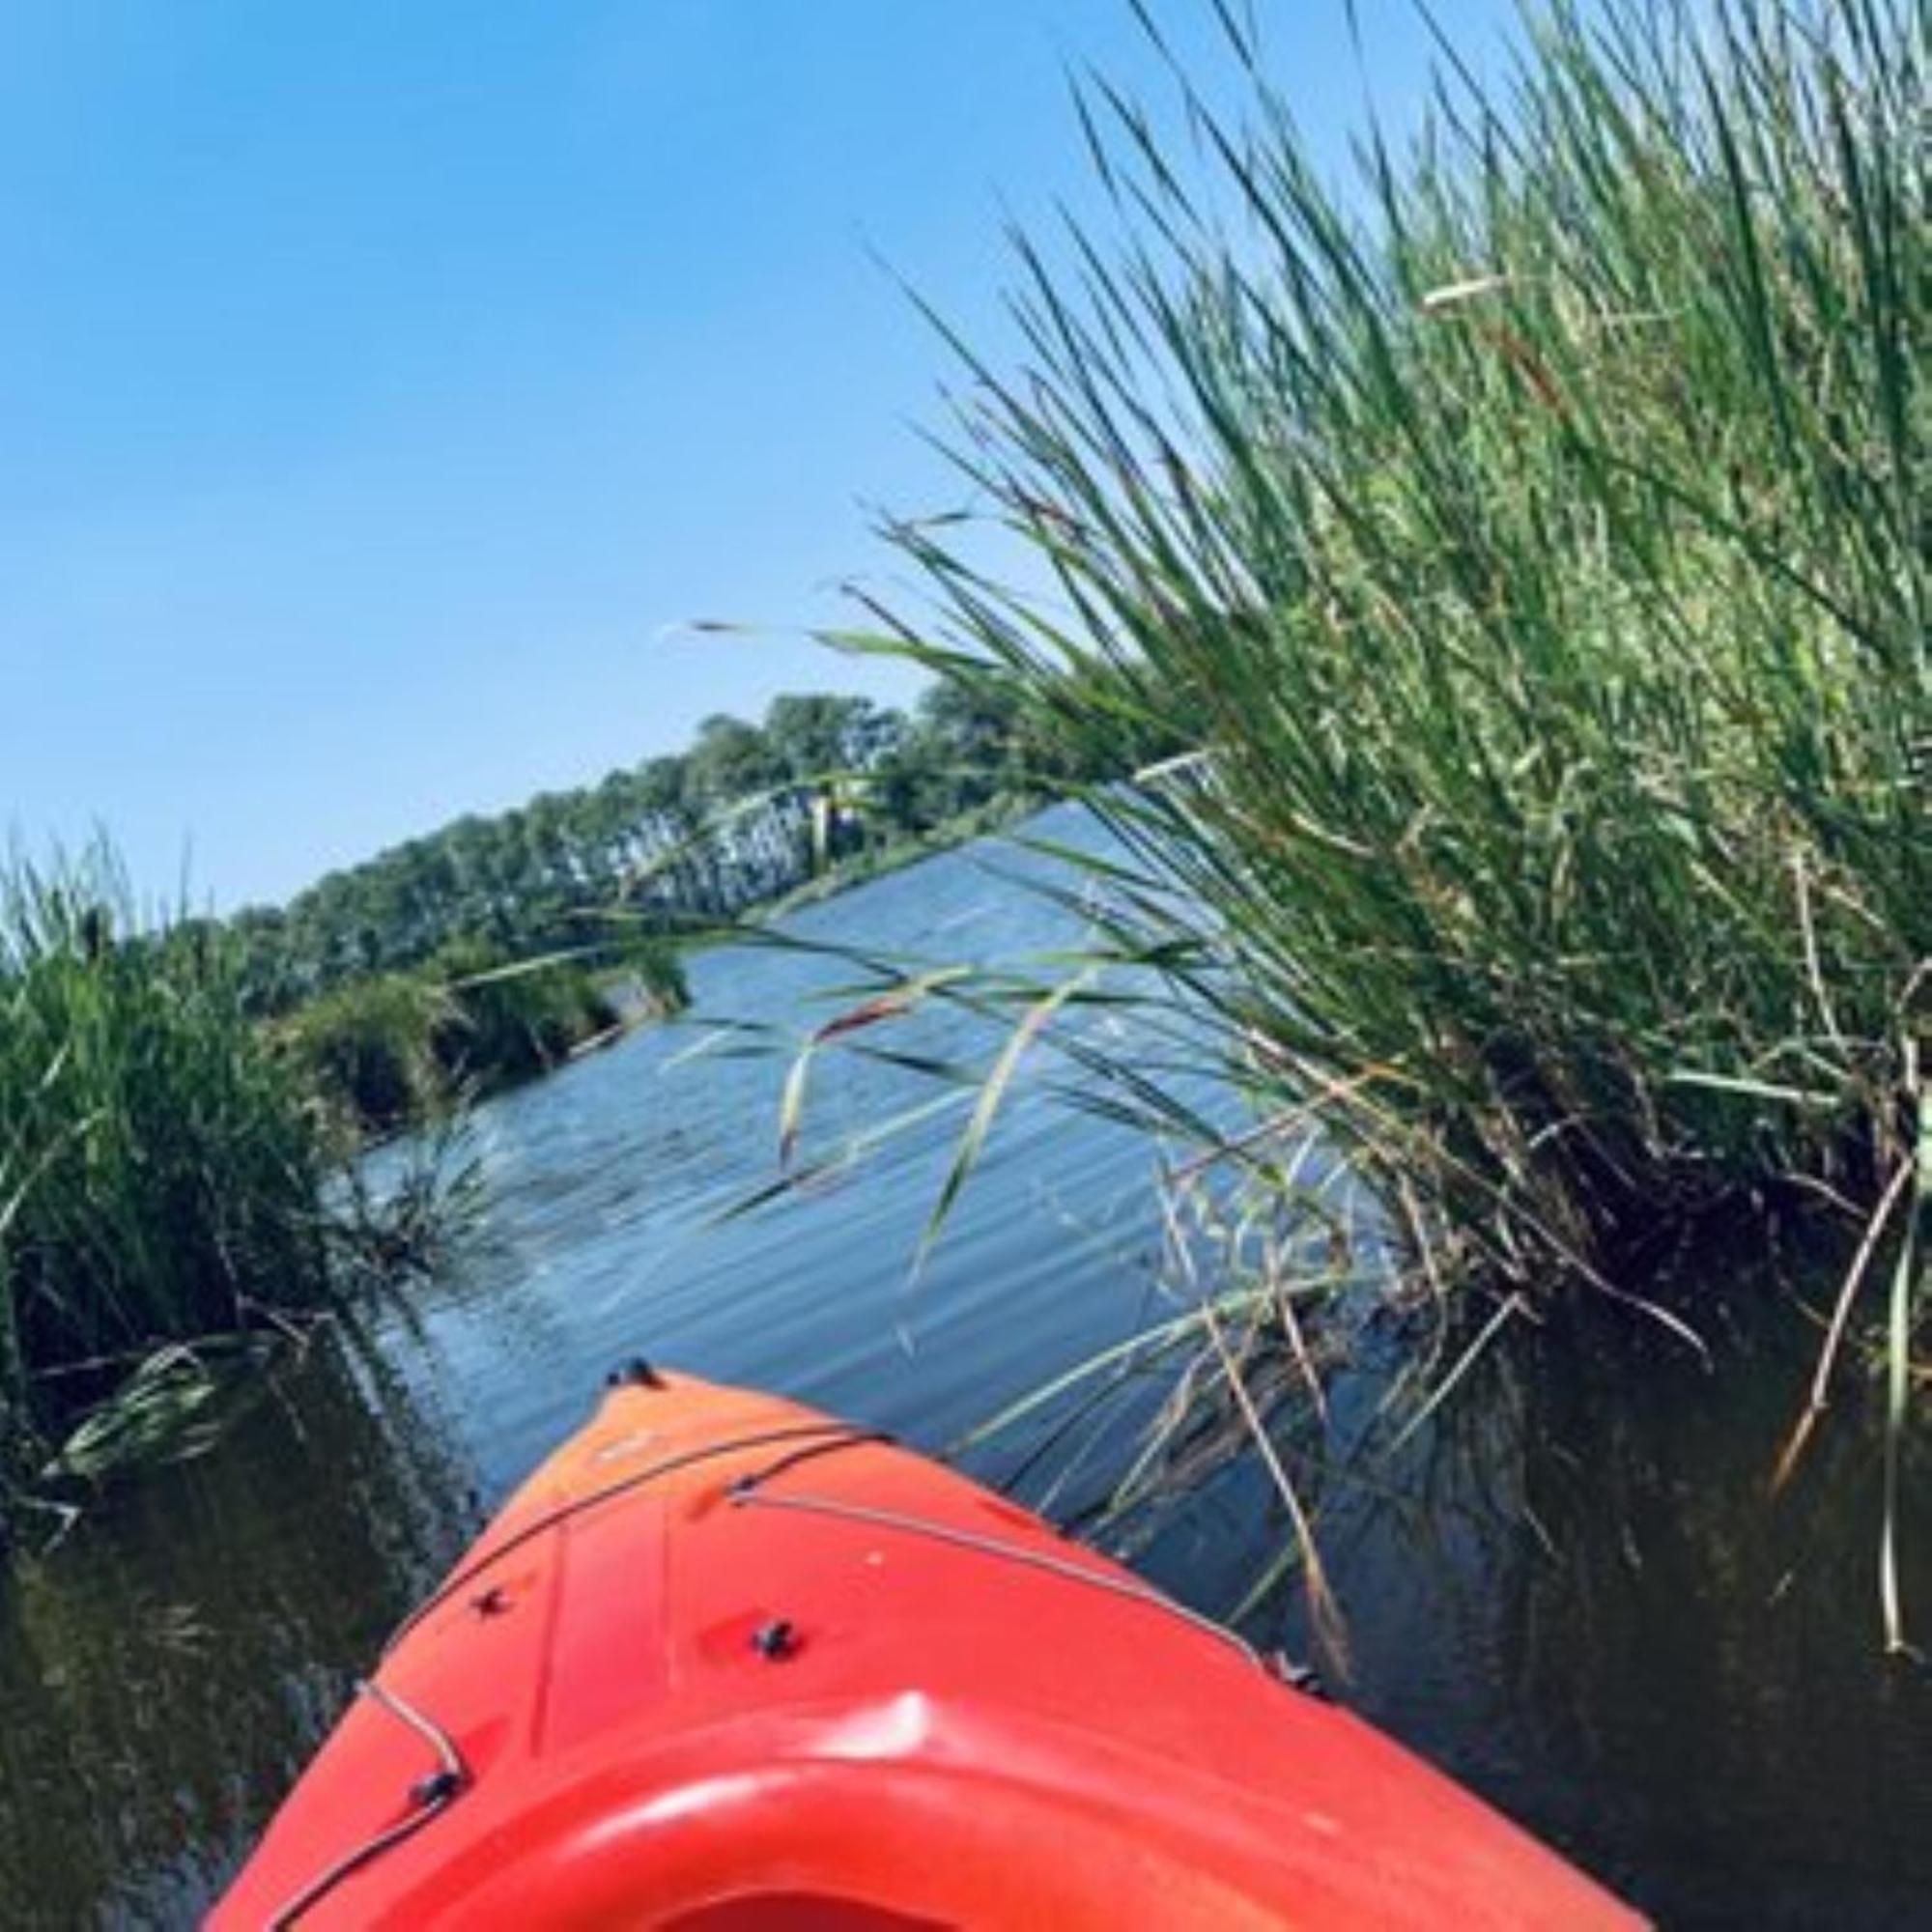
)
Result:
{"points": [[986, 1105]]}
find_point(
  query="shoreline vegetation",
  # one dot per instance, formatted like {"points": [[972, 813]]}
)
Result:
{"points": [[495, 948], [161, 1176], [184, 1100], [1534, 529]]}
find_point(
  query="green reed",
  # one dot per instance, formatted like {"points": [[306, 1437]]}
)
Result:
{"points": [[159, 1170], [1533, 532]]}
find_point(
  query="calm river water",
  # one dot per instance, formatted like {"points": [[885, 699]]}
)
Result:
{"points": [[1575, 1597]]}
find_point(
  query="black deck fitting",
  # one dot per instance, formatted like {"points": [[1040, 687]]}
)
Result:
{"points": [[637, 1373]]}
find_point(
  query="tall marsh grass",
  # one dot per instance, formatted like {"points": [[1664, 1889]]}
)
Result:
{"points": [[161, 1173], [1536, 526]]}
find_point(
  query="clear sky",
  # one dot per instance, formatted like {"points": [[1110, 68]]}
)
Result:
{"points": [[378, 383]]}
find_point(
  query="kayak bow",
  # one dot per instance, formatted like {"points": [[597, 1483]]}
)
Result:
{"points": [[726, 1665]]}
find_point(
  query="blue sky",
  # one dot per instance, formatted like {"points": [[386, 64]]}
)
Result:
{"points": [[381, 385]]}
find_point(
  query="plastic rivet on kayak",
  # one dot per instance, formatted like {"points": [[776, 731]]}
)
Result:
{"points": [[1301, 1677], [438, 1788], [776, 1639]]}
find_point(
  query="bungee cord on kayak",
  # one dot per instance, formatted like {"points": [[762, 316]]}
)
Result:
{"points": [[838, 1432], [429, 1797], [747, 1491]]}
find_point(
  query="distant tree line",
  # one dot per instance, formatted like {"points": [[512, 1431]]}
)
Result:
{"points": [[747, 812]]}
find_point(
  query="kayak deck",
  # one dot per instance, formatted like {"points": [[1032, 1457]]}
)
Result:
{"points": [[724, 1663]]}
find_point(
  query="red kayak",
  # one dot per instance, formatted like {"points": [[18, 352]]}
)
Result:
{"points": [[726, 1665]]}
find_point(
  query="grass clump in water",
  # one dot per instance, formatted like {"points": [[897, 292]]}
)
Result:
{"points": [[1537, 529], [394, 1050]]}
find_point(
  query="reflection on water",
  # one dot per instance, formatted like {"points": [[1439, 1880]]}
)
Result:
{"points": [[165, 1670], [1573, 1596], [1703, 1660]]}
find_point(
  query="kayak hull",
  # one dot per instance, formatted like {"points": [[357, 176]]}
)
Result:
{"points": [[726, 1665]]}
